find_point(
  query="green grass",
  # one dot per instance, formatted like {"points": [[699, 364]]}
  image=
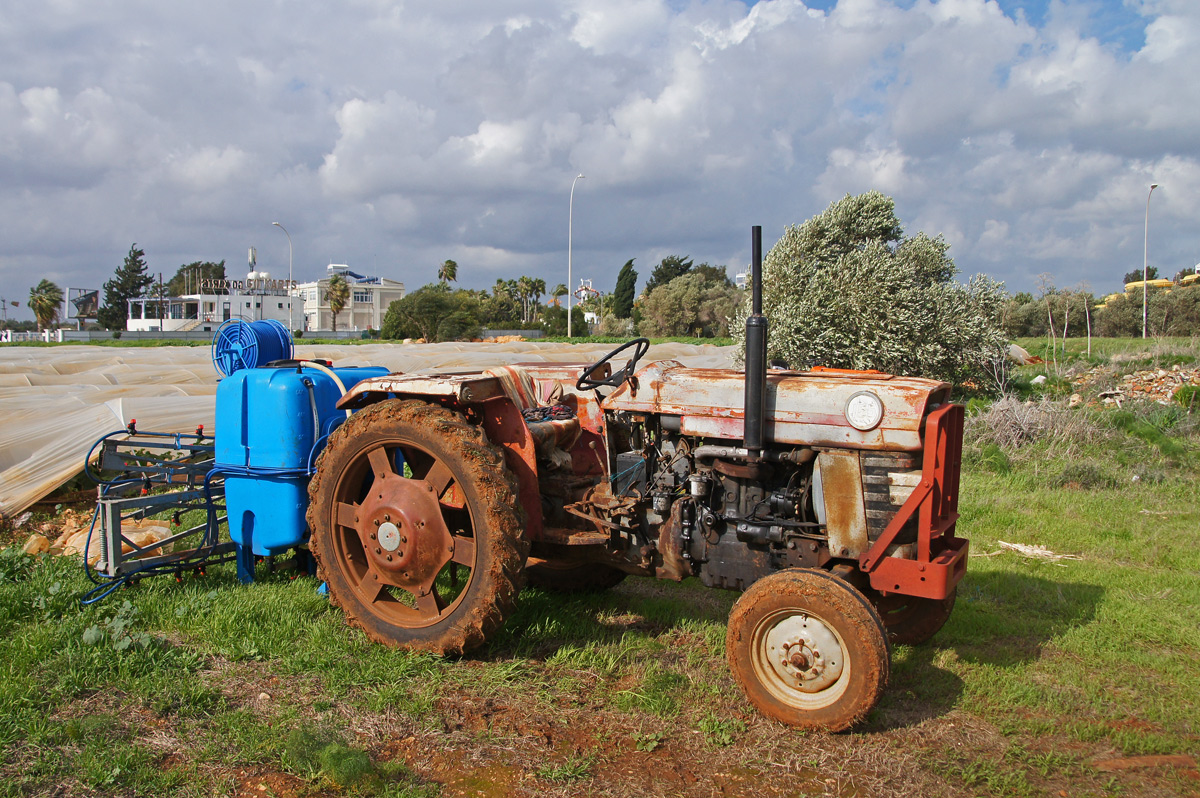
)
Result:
{"points": [[1044, 667]]}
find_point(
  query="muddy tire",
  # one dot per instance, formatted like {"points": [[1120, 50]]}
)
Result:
{"points": [[808, 649], [573, 577], [416, 527], [911, 621]]}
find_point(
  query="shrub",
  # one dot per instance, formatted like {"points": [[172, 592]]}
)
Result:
{"points": [[847, 289]]}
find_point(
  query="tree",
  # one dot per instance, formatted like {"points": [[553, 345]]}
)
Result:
{"points": [[448, 271], [848, 289], [130, 281], [337, 293], [187, 278], [435, 313], [667, 270], [625, 291], [1135, 276], [560, 291], [45, 300], [693, 304]]}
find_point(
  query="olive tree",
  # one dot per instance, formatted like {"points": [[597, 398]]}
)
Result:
{"points": [[848, 289]]}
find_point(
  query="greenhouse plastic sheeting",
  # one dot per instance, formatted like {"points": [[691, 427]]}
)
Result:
{"points": [[55, 402]]}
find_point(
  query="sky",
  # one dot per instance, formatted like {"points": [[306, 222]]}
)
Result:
{"points": [[391, 135]]}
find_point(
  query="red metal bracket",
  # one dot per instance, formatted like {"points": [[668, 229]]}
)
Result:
{"points": [[941, 559]]}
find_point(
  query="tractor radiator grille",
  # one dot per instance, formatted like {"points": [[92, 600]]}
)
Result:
{"points": [[888, 479]]}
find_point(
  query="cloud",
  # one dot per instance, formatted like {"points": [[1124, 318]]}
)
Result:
{"points": [[397, 134]]}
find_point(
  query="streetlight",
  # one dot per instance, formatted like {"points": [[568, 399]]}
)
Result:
{"points": [[570, 221], [1145, 261], [289, 237]]}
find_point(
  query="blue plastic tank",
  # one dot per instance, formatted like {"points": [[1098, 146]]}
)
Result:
{"points": [[271, 425]]}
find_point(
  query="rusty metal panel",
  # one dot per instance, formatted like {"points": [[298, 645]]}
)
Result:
{"points": [[803, 408], [845, 515], [463, 388]]}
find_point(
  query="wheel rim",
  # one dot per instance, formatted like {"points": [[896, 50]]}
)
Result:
{"points": [[800, 659], [403, 534]]}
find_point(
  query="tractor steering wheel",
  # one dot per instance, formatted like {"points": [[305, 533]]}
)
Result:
{"points": [[617, 379]]}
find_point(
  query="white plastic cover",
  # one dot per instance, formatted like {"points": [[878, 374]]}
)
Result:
{"points": [[56, 402]]}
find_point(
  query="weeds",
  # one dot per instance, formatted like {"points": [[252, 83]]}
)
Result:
{"points": [[575, 768]]}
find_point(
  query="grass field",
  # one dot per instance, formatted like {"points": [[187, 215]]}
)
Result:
{"points": [[1073, 677]]}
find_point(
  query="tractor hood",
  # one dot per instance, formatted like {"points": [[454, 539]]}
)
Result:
{"points": [[804, 408]]}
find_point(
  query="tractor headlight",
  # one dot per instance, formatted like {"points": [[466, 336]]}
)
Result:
{"points": [[864, 411]]}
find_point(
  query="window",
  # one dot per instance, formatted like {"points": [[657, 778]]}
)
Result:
{"points": [[362, 296], [281, 306], [247, 304]]}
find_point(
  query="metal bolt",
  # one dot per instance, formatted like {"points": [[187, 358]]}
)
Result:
{"points": [[404, 538], [372, 536], [387, 517], [376, 522], [378, 550], [389, 558]]}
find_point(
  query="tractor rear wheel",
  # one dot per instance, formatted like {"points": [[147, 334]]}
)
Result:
{"points": [[416, 527], [808, 649], [910, 620]]}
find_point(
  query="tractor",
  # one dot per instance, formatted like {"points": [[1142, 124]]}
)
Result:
{"points": [[827, 497]]}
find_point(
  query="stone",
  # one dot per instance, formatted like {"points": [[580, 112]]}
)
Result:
{"points": [[36, 544]]}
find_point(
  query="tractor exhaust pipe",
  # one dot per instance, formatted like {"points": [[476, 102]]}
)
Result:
{"points": [[755, 411]]}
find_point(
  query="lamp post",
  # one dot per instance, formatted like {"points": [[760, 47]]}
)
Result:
{"points": [[1145, 261], [570, 224], [289, 238]]}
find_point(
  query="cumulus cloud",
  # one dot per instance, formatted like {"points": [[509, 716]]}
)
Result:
{"points": [[395, 135]]}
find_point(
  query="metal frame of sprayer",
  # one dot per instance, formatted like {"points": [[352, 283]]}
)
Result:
{"points": [[170, 472]]}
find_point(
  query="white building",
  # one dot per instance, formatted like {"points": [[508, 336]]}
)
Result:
{"points": [[366, 307], [256, 298]]}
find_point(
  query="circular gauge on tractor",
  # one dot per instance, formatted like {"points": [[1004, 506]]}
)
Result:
{"points": [[864, 411]]}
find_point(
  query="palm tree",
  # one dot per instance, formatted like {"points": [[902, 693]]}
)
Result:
{"points": [[338, 294], [539, 288], [448, 271], [560, 290], [45, 301], [525, 293]]}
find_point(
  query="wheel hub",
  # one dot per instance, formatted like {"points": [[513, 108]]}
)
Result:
{"points": [[403, 533], [804, 653]]}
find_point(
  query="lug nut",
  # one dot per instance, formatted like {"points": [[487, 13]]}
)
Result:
{"points": [[378, 550], [389, 558]]}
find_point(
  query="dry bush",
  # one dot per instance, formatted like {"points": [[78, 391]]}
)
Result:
{"points": [[1012, 424]]}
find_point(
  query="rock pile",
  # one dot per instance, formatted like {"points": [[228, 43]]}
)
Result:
{"points": [[67, 536], [1158, 385]]}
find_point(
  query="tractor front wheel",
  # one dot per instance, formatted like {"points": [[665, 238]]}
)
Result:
{"points": [[808, 649], [559, 577], [416, 527]]}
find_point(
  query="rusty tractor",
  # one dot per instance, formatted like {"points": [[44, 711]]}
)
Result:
{"points": [[828, 497]]}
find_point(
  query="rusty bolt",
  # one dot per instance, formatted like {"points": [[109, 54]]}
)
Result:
{"points": [[428, 487], [389, 558], [387, 517], [372, 536], [375, 576], [378, 550], [404, 538], [376, 522]]}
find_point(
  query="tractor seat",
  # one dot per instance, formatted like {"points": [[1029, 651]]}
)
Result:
{"points": [[553, 425]]}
